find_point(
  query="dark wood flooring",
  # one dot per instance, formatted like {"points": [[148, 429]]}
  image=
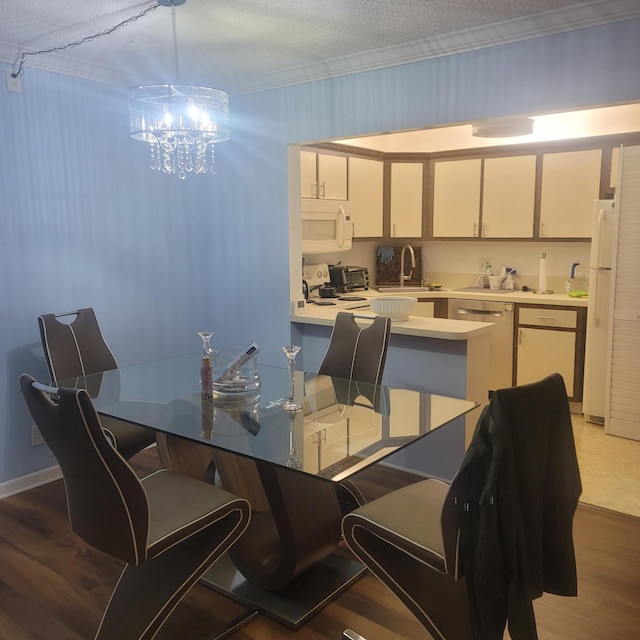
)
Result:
{"points": [[54, 587]]}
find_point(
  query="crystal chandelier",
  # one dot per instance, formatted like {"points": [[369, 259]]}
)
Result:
{"points": [[180, 122]]}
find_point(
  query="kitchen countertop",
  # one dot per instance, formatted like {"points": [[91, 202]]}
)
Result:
{"points": [[440, 328], [516, 295]]}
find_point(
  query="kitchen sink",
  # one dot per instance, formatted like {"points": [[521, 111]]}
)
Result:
{"points": [[407, 289]]}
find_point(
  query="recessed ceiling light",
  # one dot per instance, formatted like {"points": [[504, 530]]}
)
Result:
{"points": [[507, 128]]}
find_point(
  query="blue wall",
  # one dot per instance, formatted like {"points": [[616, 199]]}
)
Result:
{"points": [[85, 222]]}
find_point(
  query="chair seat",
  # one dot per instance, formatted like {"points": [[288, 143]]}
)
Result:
{"points": [[172, 517], [408, 518]]}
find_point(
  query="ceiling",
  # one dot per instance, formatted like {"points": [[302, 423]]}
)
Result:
{"points": [[248, 45], [582, 123]]}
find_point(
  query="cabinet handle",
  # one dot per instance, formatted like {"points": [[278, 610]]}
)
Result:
{"points": [[542, 229], [546, 317], [314, 189], [484, 229], [519, 336], [393, 230], [475, 229], [324, 191]]}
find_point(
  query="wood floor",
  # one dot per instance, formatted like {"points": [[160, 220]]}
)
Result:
{"points": [[53, 587]]}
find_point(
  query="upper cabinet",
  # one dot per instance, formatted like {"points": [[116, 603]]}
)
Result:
{"points": [[570, 184], [405, 208], [456, 198], [484, 198], [535, 192], [323, 176], [366, 196], [508, 197]]}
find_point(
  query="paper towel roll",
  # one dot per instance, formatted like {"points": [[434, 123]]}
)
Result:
{"points": [[542, 277]]}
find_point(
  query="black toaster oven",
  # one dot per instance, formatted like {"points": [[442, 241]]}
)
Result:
{"points": [[346, 279]]}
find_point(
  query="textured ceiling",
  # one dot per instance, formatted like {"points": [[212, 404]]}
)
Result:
{"points": [[245, 45]]}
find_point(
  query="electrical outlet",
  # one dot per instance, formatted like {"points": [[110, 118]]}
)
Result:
{"points": [[484, 264], [13, 84], [36, 436]]}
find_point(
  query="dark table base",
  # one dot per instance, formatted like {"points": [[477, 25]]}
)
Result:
{"points": [[294, 604]]}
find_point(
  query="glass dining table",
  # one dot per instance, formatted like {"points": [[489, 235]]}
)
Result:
{"points": [[287, 464]]}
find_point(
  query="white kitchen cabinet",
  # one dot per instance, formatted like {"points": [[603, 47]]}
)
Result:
{"points": [[425, 309], [542, 352], [456, 198], [570, 184], [366, 180], [323, 176], [406, 199], [508, 197], [550, 340]]}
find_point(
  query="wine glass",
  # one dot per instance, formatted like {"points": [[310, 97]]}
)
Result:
{"points": [[292, 461], [291, 352], [206, 342]]}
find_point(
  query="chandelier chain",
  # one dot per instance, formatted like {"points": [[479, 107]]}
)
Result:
{"points": [[77, 43]]}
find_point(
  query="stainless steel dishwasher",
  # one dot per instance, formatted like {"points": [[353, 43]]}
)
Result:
{"points": [[501, 336]]}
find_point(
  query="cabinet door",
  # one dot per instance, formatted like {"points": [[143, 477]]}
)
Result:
{"points": [[332, 177], [570, 184], [366, 178], [545, 351], [406, 199], [456, 198], [308, 174], [508, 196], [425, 309]]}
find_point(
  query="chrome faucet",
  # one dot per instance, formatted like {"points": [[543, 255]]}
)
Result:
{"points": [[404, 277]]}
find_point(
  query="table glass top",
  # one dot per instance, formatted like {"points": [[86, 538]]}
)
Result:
{"points": [[343, 427]]}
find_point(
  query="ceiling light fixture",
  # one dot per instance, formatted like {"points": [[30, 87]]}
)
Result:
{"points": [[180, 122], [505, 128]]}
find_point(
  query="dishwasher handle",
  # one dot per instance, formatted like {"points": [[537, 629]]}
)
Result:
{"points": [[478, 312]]}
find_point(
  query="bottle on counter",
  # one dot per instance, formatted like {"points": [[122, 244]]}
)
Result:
{"points": [[577, 280], [206, 377]]}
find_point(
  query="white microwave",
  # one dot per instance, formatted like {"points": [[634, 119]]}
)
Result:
{"points": [[326, 226]]}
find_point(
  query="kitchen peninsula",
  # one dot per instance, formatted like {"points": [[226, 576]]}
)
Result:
{"points": [[448, 357]]}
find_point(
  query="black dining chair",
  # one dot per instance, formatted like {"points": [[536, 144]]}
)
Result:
{"points": [[469, 556], [74, 349], [167, 528], [355, 358]]}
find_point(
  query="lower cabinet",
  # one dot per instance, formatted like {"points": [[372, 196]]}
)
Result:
{"points": [[431, 308], [551, 340]]}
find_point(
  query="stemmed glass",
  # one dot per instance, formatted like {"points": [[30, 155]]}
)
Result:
{"points": [[292, 461], [291, 352], [206, 342]]}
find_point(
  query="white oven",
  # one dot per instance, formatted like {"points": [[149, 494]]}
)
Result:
{"points": [[326, 226]]}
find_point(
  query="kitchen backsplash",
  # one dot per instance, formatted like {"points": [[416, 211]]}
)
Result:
{"points": [[456, 264]]}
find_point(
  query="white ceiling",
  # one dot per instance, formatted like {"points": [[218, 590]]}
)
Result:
{"points": [[248, 45]]}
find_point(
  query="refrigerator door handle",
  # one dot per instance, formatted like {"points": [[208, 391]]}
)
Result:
{"points": [[598, 237]]}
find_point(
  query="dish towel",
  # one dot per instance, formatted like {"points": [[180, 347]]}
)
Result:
{"points": [[385, 254]]}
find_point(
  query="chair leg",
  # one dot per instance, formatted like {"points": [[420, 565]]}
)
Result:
{"points": [[146, 594]]}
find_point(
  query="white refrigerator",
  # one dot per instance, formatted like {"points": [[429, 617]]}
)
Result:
{"points": [[603, 246]]}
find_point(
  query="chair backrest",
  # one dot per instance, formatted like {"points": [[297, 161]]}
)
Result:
{"points": [[107, 503], [357, 352], [74, 349]]}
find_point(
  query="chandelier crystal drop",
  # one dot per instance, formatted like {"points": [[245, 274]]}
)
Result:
{"points": [[180, 122]]}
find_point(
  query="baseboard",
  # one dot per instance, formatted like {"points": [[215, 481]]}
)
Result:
{"points": [[30, 481]]}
